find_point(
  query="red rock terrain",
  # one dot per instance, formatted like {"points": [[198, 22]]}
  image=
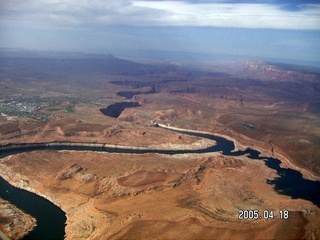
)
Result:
{"points": [[153, 196], [267, 107]]}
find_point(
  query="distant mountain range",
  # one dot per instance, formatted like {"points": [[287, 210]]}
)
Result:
{"points": [[58, 63], [281, 71], [72, 62]]}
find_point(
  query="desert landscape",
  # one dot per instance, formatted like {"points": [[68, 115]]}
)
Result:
{"points": [[175, 189]]}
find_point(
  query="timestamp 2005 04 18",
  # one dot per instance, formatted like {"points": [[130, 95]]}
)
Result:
{"points": [[266, 214]]}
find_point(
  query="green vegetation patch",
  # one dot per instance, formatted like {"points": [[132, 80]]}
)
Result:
{"points": [[70, 108], [53, 109], [3, 220]]}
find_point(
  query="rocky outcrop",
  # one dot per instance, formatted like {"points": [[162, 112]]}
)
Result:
{"points": [[69, 172], [14, 223], [200, 144]]}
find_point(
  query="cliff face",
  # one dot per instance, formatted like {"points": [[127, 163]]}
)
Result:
{"points": [[273, 71]]}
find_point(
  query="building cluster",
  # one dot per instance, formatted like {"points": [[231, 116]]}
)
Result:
{"points": [[26, 107]]}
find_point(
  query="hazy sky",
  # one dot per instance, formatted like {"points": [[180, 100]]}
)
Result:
{"points": [[287, 29]]}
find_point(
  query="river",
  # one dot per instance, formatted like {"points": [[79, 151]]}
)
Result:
{"points": [[51, 220]]}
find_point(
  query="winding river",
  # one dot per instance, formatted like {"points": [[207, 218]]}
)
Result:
{"points": [[51, 219]]}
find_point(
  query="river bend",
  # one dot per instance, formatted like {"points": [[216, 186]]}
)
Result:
{"points": [[289, 182]]}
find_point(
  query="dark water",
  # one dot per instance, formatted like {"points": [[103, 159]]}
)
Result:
{"points": [[116, 109], [50, 219], [130, 94], [289, 182]]}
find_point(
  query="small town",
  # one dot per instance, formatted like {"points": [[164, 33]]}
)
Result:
{"points": [[25, 107]]}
